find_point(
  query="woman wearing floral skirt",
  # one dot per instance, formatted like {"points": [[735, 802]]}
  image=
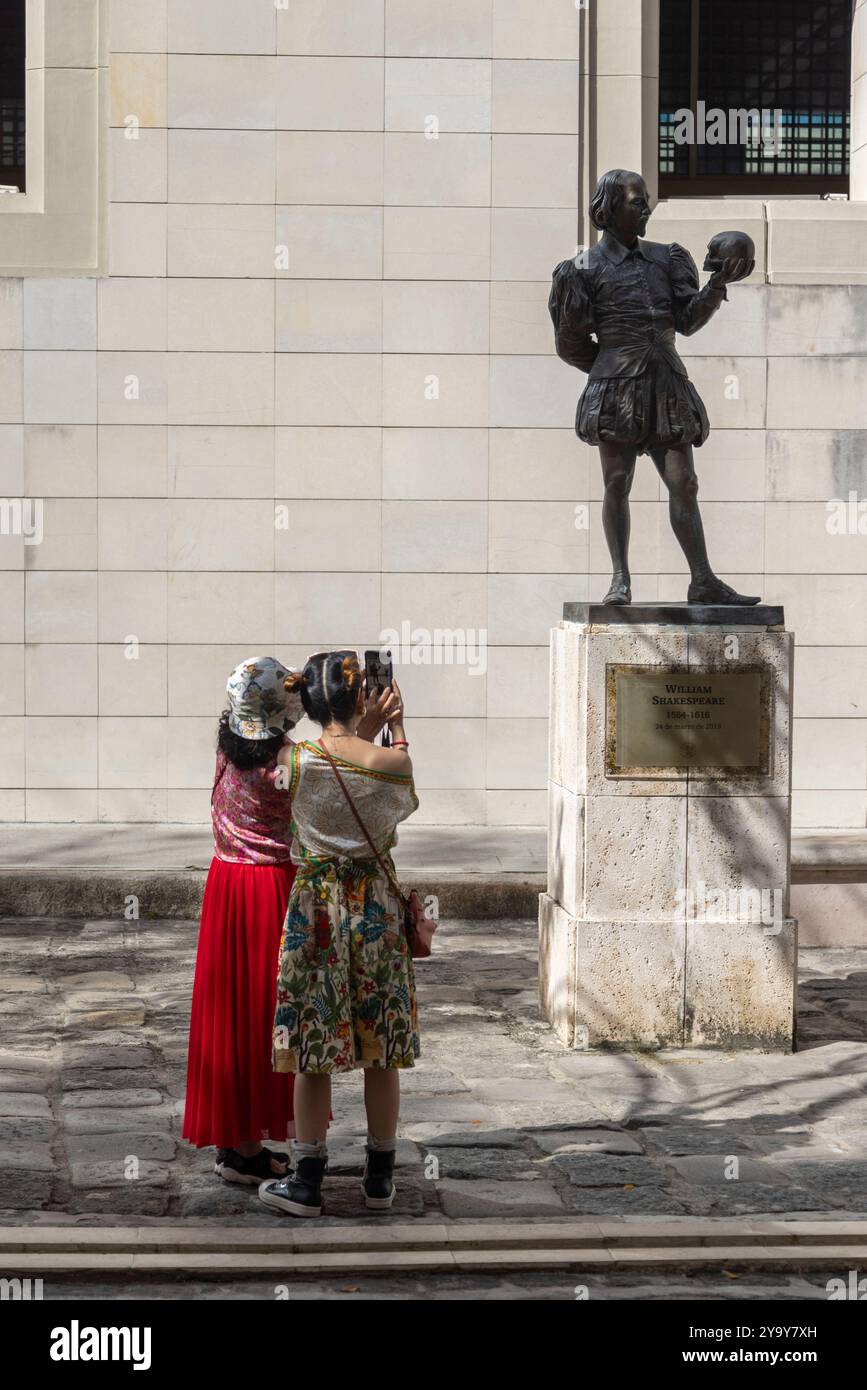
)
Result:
{"points": [[345, 988]]}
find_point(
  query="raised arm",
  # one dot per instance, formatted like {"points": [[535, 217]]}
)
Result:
{"points": [[378, 709], [693, 307], [395, 759], [571, 315]]}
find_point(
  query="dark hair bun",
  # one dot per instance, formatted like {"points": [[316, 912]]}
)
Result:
{"points": [[351, 672], [330, 683]]}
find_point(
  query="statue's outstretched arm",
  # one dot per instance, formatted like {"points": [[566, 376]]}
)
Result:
{"points": [[693, 307]]}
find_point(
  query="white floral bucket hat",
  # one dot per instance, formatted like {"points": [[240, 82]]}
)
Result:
{"points": [[259, 704]]}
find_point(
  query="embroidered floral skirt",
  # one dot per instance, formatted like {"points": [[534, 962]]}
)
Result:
{"points": [[658, 408], [345, 985]]}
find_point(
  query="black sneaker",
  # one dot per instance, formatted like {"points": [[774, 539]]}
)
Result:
{"points": [[300, 1195], [234, 1167], [377, 1186], [276, 1157]]}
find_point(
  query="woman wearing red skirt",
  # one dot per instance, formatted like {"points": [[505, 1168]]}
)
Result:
{"points": [[234, 1099]]}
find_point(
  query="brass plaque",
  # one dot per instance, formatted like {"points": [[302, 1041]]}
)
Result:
{"points": [[664, 721]]}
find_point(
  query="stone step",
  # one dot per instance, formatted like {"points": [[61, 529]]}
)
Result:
{"points": [[668, 1238], [476, 872], [176, 894], [733, 1258]]}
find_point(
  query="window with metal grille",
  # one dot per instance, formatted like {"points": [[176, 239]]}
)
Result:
{"points": [[779, 75], [12, 31]]}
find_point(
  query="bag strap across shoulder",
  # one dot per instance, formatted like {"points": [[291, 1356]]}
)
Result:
{"points": [[385, 868]]}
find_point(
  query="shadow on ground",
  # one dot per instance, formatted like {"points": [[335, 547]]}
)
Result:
{"points": [[499, 1120]]}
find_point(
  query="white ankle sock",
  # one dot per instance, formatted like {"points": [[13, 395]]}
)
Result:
{"points": [[383, 1146], [318, 1149]]}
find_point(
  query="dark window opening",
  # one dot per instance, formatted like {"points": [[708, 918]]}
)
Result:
{"points": [[12, 38], [787, 61]]}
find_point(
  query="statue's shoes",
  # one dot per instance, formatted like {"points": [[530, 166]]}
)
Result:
{"points": [[715, 591], [619, 593]]}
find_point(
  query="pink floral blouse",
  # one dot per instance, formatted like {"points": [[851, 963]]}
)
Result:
{"points": [[250, 812]]}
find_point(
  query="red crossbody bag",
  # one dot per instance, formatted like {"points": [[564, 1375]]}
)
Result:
{"points": [[418, 926]]}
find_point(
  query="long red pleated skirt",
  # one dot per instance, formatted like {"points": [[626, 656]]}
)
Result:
{"points": [[233, 1096]]}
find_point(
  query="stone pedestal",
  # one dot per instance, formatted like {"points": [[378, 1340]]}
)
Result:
{"points": [[666, 921]]}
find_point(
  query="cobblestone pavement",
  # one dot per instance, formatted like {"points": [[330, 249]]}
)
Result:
{"points": [[498, 1119]]}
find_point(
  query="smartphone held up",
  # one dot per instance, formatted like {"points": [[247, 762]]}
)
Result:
{"points": [[378, 676]]}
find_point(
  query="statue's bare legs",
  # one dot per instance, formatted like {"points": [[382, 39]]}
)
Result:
{"points": [[675, 466], [618, 470]]}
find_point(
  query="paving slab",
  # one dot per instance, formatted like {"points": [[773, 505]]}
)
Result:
{"points": [[603, 1170], [23, 1103], [431, 1133], [501, 1198], [624, 1201], [111, 1120], [25, 1191], [751, 1198], [477, 1162], [27, 1082], [122, 1099], [26, 1156], [677, 1139], [117, 1147], [587, 1141], [714, 1169]]}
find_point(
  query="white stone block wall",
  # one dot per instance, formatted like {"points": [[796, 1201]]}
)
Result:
{"points": [[161, 410]]}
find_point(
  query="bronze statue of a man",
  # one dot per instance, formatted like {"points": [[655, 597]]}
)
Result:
{"points": [[634, 295]]}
